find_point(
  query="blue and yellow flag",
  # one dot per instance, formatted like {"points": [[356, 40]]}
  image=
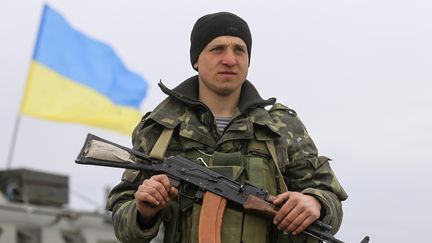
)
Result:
{"points": [[74, 78]]}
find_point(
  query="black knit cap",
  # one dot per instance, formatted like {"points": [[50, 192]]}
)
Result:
{"points": [[214, 25]]}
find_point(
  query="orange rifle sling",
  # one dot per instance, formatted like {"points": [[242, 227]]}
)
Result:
{"points": [[210, 220]]}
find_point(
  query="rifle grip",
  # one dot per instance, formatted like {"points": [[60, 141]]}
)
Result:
{"points": [[257, 205]]}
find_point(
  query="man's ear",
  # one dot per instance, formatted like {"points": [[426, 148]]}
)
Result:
{"points": [[195, 66]]}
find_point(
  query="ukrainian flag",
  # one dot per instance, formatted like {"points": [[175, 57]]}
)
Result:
{"points": [[74, 78]]}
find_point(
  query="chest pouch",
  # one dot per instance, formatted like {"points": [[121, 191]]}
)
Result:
{"points": [[229, 165], [261, 170]]}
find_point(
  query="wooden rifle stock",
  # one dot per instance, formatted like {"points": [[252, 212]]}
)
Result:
{"points": [[257, 205]]}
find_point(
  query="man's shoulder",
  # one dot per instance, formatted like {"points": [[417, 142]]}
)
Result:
{"points": [[281, 109], [168, 113], [286, 119]]}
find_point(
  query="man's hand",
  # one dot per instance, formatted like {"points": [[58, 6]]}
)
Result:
{"points": [[297, 211], [153, 195]]}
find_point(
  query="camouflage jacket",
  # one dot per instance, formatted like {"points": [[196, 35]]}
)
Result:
{"points": [[196, 135]]}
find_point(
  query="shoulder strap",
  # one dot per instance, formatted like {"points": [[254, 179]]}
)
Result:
{"points": [[272, 150], [159, 149]]}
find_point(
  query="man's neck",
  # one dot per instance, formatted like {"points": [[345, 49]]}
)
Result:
{"points": [[220, 106]]}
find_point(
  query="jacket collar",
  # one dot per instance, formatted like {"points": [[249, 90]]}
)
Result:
{"points": [[251, 104], [187, 92]]}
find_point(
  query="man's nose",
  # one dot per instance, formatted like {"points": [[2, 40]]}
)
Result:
{"points": [[229, 58]]}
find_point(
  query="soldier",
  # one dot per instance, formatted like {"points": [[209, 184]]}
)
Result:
{"points": [[219, 120]]}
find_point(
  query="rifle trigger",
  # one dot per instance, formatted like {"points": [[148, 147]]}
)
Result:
{"points": [[199, 194]]}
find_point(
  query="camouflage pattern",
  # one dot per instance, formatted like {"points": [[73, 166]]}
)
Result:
{"points": [[240, 153], [305, 171]]}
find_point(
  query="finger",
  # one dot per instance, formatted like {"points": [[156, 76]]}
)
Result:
{"points": [[283, 212], [308, 216], [306, 222], [163, 179], [146, 199], [288, 223], [154, 183], [271, 199], [154, 189], [173, 192], [296, 219], [281, 198]]}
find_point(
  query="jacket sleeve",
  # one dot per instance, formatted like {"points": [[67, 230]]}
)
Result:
{"points": [[124, 212], [121, 200], [305, 171]]}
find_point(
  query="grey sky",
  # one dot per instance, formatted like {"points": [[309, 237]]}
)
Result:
{"points": [[358, 73]]}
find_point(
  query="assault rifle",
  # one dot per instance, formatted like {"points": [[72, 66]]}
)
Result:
{"points": [[101, 152]]}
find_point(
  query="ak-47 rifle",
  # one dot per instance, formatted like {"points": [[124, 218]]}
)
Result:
{"points": [[101, 152]]}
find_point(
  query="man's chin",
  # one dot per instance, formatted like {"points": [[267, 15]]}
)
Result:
{"points": [[225, 91]]}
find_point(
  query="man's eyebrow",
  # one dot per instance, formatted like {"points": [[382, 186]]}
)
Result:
{"points": [[240, 45], [227, 44], [218, 45]]}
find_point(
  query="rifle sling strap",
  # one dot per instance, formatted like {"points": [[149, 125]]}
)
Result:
{"points": [[210, 220], [161, 144]]}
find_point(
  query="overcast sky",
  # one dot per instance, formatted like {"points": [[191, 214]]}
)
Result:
{"points": [[358, 73]]}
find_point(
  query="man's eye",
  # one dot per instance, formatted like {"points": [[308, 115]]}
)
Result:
{"points": [[217, 48], [240, 50]]}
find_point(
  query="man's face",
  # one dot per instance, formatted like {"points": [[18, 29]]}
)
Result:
{"points": [[223, 65]]}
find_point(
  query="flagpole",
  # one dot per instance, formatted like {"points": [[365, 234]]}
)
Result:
{"points": [[13, 142], [18, 117]]}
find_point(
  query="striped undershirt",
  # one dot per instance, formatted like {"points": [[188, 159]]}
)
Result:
{"points": [[222, 123]]}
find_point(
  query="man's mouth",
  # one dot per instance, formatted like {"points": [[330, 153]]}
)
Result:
{"points": [[228, 73]]}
